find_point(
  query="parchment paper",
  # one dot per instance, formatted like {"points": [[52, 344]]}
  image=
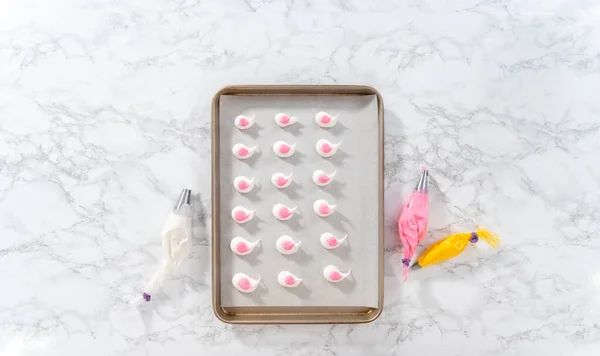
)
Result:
{"points": [[354, 190]]}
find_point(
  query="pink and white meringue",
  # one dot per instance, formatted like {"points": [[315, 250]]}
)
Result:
{"points": [[329, 241], [243, 122], [280, 180], [284, 120], [288, 280], [326, 149], [243, 283], [284, 149], [241, 247], [243, 184], [325, 120], [282, 212], [333, 274], [286, 245], [242, 215], [241, 151], [322, 208], [321, 178]]}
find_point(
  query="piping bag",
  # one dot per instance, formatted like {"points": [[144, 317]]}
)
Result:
{"points": [[176, 243], [453, 245], [412, 223]]}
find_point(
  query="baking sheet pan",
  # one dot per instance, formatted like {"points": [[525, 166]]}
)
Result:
{"points": [[356, 191]]}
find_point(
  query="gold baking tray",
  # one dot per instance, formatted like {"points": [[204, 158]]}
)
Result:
{"points": [[289, 315]]}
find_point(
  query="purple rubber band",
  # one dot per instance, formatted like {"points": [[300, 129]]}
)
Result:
{"points": [[474, 238]]}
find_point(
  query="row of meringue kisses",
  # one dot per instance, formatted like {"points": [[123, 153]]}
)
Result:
{"points": [[321, 207], [243, 283], [280, 180], [282, 120], [285, 244], [283, 149]]}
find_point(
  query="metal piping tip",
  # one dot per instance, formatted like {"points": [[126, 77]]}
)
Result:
{"points": [[415, 267], [184, 198], [423, 184]]}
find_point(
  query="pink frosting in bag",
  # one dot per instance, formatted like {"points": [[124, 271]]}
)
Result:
{"points": [[412, 226]]}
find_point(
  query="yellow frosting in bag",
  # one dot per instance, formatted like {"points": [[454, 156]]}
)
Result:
{"points": [[453, 245]]}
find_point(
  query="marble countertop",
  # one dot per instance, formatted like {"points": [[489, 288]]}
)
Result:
{"points": [[105, 116]]}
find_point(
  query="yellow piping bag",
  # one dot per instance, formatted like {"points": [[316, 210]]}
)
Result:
{"points": [[453, 245]]}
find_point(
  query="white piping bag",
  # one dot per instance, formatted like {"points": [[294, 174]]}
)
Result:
{"points": [[176, 243]]}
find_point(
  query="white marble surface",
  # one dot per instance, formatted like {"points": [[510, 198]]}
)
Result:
{"points": [[104, 117]]}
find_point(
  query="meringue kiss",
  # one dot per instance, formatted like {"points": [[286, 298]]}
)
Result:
{"points": [[282, 212], [241, 247], [321, 178], [243, 184], [241, 214], [243, 122], [322, 208], [280, 180], [326, 148], [242, 151], [325, 120], [288, 280], [243, 283], [286, 245], [284, 120], [284, 149], [333, 274], [329, 241]]}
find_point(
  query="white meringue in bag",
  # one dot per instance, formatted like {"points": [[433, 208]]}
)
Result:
{"points": [[176, 243]]}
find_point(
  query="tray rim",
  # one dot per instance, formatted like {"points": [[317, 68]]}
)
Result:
{"points": [[290, 315]]}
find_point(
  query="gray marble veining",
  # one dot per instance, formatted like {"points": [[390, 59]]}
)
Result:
{"points": [[104, 117]]}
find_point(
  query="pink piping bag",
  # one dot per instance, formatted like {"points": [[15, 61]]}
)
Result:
{"points": [[412, 223]]}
